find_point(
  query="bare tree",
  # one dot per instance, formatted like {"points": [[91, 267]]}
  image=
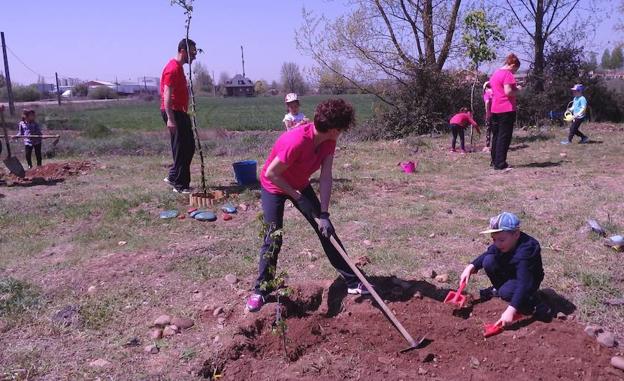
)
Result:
{"points": [[383, 39], [292, 79], [541, 20]]}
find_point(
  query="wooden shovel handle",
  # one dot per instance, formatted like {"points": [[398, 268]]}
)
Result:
{"points": [[370, 288]]}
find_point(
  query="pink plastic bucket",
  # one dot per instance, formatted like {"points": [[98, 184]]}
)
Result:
{"points": [[408, 166]]}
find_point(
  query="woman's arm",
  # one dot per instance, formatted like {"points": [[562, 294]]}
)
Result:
{"points": [[510, 89], [274, 173], [326, 181]]}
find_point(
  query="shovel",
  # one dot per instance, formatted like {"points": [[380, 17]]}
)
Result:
{"points": [[456, 297], [55, 137], [14, 166], [413, 344]]}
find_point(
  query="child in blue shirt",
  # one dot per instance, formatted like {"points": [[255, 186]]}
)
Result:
{"points": [[578, 109], [513, 263]]}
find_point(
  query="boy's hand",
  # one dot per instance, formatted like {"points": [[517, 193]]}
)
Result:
{"points": [[465, 276], [507, 317], [325, 226]]}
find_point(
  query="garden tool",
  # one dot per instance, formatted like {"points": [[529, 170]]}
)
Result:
{"points": [[456, 297], [493, 329], [413, 344], [54, 142], [11, 162]]}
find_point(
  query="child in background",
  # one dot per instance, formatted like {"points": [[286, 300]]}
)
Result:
{"points": [[513, 263], [294, 117], [487, 101], [28, 127], [457, 124], [579, 108]]}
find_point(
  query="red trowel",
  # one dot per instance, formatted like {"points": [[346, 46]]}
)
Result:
{"points": [[493, 329], [456, 297]]}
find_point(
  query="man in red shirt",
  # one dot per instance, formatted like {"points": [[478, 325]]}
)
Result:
{"points": [[174, 109]]}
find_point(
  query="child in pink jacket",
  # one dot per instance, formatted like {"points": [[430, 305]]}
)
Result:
{"points": [[457, 124]]}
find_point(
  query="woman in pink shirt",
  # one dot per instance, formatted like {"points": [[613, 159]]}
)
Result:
{"points": [[295, 156], [458, 123], [503, 110]]}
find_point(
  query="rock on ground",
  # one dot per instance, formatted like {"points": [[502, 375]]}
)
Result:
{"points": [[442, 278], [162, 320], [156, 334], [606, 339], [99, 363], [153, 349], [593, 330], [170, 330], [617, 362], [182, 323], [231, 278], [428, 273]]}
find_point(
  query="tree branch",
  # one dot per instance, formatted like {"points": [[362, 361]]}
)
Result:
{"points": [[511, 8], [444, 52], [400, 51]]}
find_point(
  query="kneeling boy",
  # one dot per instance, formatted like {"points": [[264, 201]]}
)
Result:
{"points": [[513, 263]]}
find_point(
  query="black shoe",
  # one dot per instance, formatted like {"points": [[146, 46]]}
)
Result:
{"points": [[488, 293], [543, 313], [584, 140]]}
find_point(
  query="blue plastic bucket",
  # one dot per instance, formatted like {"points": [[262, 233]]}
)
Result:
{"points": [[245, 172]]}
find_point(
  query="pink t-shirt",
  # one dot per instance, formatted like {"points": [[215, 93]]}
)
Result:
{"points": [[296, 149], [500, 102], [462, 119]]}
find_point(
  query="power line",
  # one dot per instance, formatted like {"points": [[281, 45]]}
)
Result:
{"points": [[24, 64]]}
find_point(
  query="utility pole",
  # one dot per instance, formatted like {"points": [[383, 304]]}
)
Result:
{"points": [[243, 59], [7, 76], [58, 89], [145, 83]]}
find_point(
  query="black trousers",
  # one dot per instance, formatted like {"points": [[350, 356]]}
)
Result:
{"points": [[502, 132], [506, 284], [182, 150], [574, 129], [28, 149], [273, 208], [457, 130], [488, 131]]}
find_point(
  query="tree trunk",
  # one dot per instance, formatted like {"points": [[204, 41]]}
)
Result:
{"points": [[538, 58]]}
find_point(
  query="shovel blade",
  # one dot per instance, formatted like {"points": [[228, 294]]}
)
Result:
{"points": [[490, 330], [15, 167], [456, 298]]}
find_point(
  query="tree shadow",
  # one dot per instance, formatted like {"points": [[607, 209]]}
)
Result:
{"points": [[518, 147], [36, 181], [594, 142], [335, 180], [235, 188], [545, 164], [531, 138], [389, 288]]}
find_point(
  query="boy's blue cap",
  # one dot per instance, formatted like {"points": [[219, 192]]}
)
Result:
{"points": [[578, 87], [503, 222]]}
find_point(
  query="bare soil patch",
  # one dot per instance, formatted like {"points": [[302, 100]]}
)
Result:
{"points": [[48, 174]]}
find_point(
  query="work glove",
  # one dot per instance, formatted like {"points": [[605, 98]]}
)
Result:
{"points": [[325, 226], [306, 206]]}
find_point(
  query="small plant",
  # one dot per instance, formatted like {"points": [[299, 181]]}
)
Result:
{"points": [[16, 297], [188, 354], [279, 326]]}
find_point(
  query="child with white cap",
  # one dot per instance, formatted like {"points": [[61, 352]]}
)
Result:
{"points": [[294, 117], [513, 263], [578, 109]]}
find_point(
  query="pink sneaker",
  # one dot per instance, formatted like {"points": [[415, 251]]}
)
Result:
{"points": [[254, 303]]}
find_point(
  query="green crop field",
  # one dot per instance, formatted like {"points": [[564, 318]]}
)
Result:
{"points": [[240, 114]]}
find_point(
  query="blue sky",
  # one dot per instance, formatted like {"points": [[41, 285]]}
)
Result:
{"points": [[131, 38]]}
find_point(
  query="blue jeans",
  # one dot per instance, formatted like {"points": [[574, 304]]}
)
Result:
{"points": [[503, 279], [273, 208]]}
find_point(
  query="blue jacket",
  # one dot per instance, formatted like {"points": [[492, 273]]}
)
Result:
{"points": [[523, 263]]}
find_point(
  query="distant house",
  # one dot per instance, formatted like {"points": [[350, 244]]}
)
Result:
{"points": [[96, 83], [239, 86]]}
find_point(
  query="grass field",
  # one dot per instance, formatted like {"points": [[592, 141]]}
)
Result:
{"points": [[240, 114], [94, 244]]}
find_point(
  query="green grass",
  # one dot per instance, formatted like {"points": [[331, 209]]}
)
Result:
{"points": [[240, 114], [16, 297]]}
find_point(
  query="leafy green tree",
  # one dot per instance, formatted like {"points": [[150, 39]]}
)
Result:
{"points": [[605, 61], [480, 37], [261, 87], [617, 58], [202, 78]]}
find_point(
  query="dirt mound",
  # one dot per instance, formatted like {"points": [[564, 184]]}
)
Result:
{"points": [[49, 173], [342, 337]]}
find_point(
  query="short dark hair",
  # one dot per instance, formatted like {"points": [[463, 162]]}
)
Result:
{"points": [[334, 113], [182, 44]]}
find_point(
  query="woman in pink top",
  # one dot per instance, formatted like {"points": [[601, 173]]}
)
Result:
{"points": [[503, 109], [295, 156], [457, 124]]}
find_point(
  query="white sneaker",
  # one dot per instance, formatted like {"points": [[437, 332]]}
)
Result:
{"points": [[359, 290], [166, 179], [182, 191]]}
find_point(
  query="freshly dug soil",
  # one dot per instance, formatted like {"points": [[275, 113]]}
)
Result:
{"points": [[333, 336], [48, 173]]}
